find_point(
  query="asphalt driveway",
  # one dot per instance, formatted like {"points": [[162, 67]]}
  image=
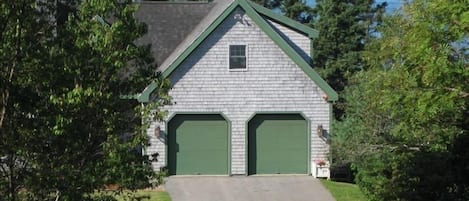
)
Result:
{"points": [[242, 188]]}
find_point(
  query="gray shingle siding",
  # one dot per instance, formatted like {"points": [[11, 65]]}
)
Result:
{"points": [[300, 43], [272, 83]]}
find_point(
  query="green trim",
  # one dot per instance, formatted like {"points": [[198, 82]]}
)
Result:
{"points": [[329, 140], [201, 113], [144, 97], [199, 39], [264, 26], [246, 137], [332, 95], [101, 20], [311, 52], [331, 120], [129, 97], [306, 30]]}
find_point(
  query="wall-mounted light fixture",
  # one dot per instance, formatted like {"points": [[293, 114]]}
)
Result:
{"points": [[157, 131], [325, 97], [320, 130]]}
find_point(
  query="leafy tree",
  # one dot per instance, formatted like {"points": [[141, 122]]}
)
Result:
{"points": [[65, 131], [296, 9], [268, 3], [407, 115], [24, 31], [345, 27]]}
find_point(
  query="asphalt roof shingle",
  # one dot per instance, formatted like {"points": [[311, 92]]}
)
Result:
{"points": [[169, 23]]}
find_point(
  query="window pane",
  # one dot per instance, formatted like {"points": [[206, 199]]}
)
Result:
{"points": [[237, 56], [237, 62]]}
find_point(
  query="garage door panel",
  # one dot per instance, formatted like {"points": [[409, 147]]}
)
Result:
{"points": [[198, 144], [277, 144], [196, 139]]}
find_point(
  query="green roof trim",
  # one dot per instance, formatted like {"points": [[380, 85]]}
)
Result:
{"points": [[129, 97], [199, 40], [250, 10], [144, 97], [310, 32], [331, 94]]}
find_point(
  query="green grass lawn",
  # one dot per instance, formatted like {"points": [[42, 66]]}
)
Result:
{"points": [[344, 191], [154, 195], [143, 195]]}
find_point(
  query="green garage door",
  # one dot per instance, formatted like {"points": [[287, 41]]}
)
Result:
{"points": [[278, 144], [198, 144]]}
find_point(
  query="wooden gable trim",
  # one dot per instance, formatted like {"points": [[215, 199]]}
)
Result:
{"points": [[264, 26], [292, 24]]}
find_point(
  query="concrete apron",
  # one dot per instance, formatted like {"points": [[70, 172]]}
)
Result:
{"points": [[246, 188]]}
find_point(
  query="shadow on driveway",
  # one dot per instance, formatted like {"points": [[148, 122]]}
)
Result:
{"points": [[242, 188]]}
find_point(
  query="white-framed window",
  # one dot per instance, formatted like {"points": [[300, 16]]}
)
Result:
{"points": [[237, 57]]}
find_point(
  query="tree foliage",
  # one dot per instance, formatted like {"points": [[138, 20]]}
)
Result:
{"points": [[297, 10], [345, 27], [268, 3], [65, 131], [406, 125], [23, 33], [294, 9]]}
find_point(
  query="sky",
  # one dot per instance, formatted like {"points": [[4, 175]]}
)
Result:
{"points": [[392, 4]]}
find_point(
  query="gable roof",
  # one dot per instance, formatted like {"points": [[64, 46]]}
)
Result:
{"points": [[218, 9], [254, 12], [169, 23]]}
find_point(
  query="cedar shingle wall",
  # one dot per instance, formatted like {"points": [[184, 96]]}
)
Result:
{"points": [[299, 42]]}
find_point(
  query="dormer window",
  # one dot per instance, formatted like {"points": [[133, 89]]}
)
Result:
{"points": [[238, 57]]}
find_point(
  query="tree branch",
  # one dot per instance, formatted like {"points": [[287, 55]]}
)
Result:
{"points": [[5, 96], [57, 195], [5, 23], [6, 91], [463, 94]]}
